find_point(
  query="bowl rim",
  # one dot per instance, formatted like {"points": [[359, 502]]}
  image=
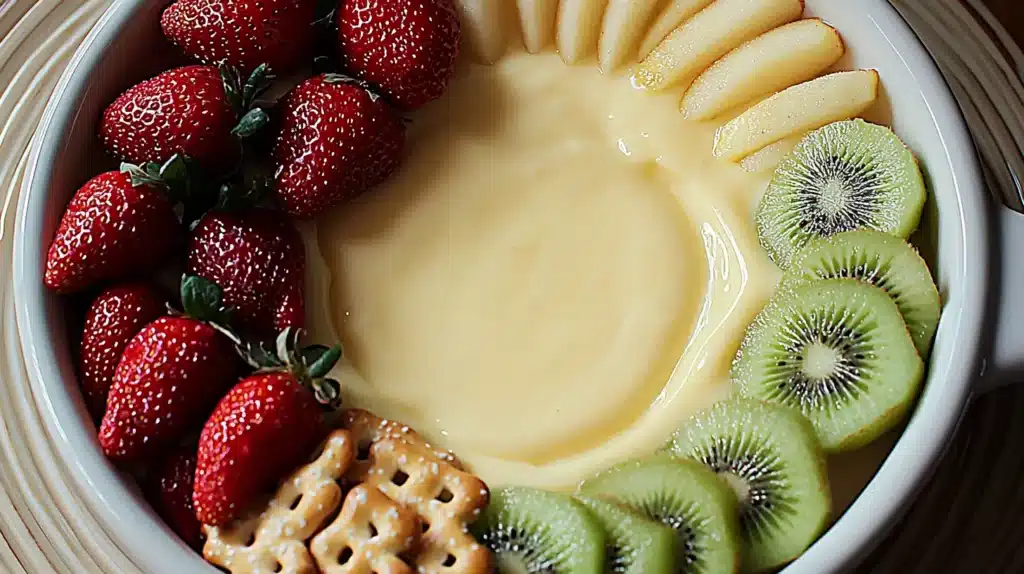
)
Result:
{"points": [[105, 491], [888, 493], [936, 417]]}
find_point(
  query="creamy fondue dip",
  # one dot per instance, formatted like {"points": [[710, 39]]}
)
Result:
{"points": [[557, 277]]}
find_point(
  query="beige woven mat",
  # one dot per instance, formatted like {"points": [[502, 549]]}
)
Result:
{"points": [[967, 520]]}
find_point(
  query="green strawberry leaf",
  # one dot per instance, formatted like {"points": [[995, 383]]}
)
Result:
{"points": [[325, 360], [175, 170], [177, 178], [336, 78], [339, 78], [232, 86], [287, 344], [252, 122], [241, 96], [203, 300], [310, 353], [309, 365], [239, 198], [327, 392], [259, 357], [256, 84], [181, 179], [144, 174]]}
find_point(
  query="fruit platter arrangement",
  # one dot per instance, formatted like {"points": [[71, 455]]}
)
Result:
{"points": [[192, 353]]}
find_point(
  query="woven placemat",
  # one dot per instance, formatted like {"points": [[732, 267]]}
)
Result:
{"points": [[966, 520]]}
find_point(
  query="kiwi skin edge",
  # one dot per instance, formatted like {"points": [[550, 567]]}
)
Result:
{"points": [[645, 484], [882, 260], [654, 544], [873, 166], [771, 456], [896, 375], [568, 531]]}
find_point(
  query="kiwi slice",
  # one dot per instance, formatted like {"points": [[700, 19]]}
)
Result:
{"points": [[689, 498], [837, 350], [536, 532], [635, 545], [847, 175], [770, 456], [884, 261]]}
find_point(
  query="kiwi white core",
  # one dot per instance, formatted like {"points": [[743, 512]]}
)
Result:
{"points": [[820, 361], [508, 563], [739, 486], [834, 197]]}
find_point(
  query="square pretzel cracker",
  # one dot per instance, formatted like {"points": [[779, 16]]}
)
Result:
{"points": [[368, 537], [274, 540], [367, 429], [445, 498]]}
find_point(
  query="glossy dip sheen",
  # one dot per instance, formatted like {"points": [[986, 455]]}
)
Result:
{"points": [[557, 277]]}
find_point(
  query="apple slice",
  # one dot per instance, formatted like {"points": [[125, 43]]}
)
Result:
{"points": [[537, 18], [798, 109], [674, 14], [767, 158], [484, 28], [624, 23], [579, 28], [708, 36], [786, 56]]}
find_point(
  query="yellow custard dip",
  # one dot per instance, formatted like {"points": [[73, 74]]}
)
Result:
{"points": [[556, 278]]}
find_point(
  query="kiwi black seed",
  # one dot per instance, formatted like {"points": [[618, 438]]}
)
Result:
{"points": [[838, 351], [847, 175], [884, 261], [684, 495], [535, 532], [770, 456], [634, 544]]}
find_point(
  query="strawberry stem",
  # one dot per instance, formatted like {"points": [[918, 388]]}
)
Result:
{"points": [[309, 365], [325, 12], [327, 392], [190, 190], [335, 78], [325, 37], [143, 175], [242, 97], [171, 176], [243, 197], [256, 84]]}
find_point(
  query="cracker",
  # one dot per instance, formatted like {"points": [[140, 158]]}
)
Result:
{"points": [[369, 536], [367, 428], [274, 540], [446, 499]]}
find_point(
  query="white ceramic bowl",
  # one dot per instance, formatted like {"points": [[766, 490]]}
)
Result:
{"points": [[968, 233]]}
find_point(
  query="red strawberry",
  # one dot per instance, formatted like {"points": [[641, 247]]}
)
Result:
{"points": [[265, 427], [168, 489], [336, 140], [170, 375], [197, 111], [257, 257], [113, 319], [112, 229], [245, 33], [405, 48]]}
